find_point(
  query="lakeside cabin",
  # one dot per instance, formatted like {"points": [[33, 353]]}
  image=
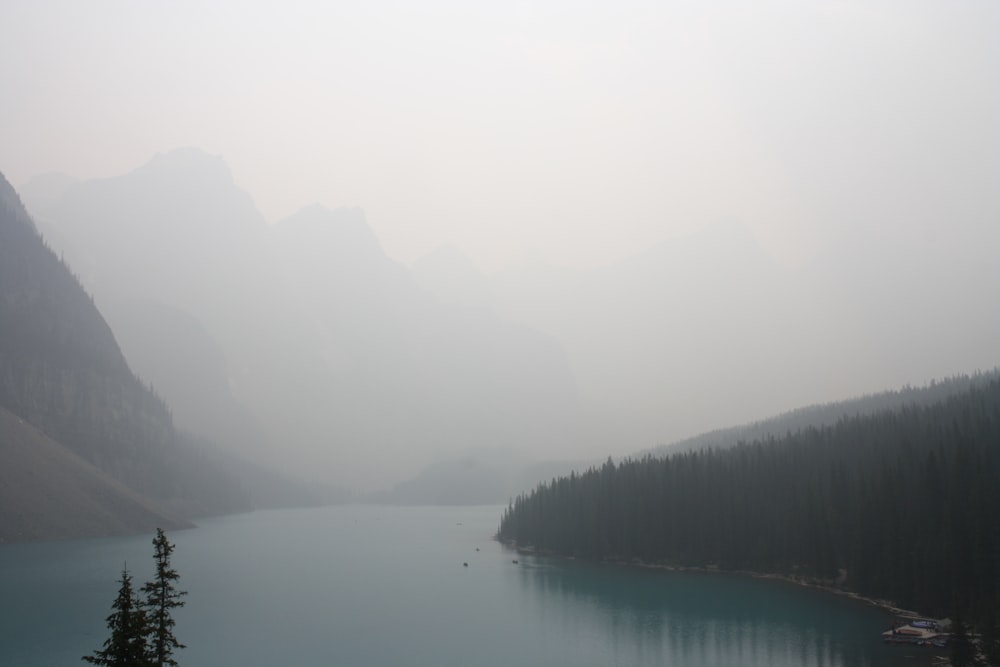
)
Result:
{"points": [[918, 631]]}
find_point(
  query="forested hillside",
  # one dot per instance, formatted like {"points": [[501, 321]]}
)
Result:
{"points": [[60, 368], [61, 371], [901, 505], [828, 413]]}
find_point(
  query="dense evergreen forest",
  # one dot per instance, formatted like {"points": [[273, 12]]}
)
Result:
{"points": [[902, 505]]}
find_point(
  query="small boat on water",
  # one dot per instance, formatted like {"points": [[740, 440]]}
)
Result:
{"points": [[918, 631]]}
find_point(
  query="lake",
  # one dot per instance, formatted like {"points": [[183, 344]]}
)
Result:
{"points": [[379, 586]]}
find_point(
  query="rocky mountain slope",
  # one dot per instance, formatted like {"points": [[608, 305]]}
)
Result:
{"points": [[48, 492]]}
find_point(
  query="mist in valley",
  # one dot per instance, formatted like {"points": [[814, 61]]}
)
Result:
{"points": [[439, 253]]}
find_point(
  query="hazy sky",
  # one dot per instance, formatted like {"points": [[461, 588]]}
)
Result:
{"points": [[578, 132]]}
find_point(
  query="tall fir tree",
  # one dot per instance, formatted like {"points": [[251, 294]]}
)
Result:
{"points": [[126, 647], [162, 596]]}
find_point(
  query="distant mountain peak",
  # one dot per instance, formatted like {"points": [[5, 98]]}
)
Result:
{"points": [[169, 201], [189, 164], [344, 228]]}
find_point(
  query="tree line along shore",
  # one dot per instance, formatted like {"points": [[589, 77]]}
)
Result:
{"points": [[900, 507]]}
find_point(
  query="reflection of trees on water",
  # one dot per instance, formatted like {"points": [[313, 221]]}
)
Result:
{"points": [[689, 619]]}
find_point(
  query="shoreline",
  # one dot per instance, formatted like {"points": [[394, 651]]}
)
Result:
{"points": [[798, 580], [927, 659]]}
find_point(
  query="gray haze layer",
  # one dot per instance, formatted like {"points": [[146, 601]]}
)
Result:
{"points": [[580, 132], [302, 343]]}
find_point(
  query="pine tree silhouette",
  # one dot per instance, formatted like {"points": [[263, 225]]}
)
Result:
{"points": [[162, 596], [126, 647]]}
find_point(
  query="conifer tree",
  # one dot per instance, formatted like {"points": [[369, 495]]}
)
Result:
{"points": [[162, 596], [126, 647]]}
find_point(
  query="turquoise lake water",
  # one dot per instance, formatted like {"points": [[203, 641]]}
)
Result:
{"points": [[378, 586]]}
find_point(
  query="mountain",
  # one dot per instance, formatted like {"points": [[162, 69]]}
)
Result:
{"points": [[401, 374], [61, 367], [301, 343], [175, 256], [188, 368], [77, 422]]}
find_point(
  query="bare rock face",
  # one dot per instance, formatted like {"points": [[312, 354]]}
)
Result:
{"points": [[48, 493]]}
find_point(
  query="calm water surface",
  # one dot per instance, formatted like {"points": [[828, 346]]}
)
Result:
{"points": [[381, 586]]}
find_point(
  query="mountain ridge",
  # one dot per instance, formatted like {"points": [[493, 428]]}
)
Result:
{"points": [[96, 443], [333, 346]]}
